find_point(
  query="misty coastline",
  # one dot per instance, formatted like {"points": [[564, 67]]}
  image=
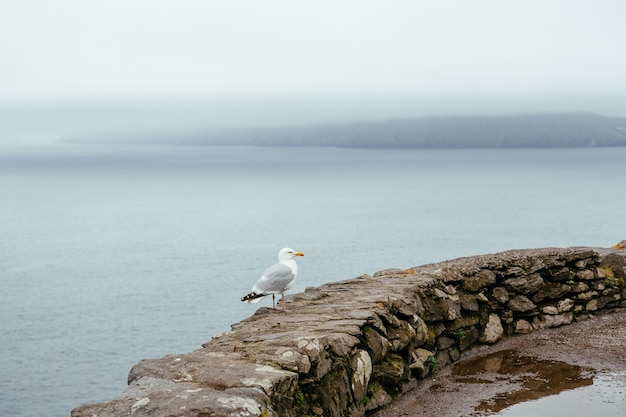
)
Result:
{"points": [[540, 130]]}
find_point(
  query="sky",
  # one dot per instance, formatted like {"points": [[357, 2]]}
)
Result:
{"points": [[400, 53]]}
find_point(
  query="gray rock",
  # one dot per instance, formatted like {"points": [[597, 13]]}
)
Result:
{"points": [[420, 362], [523, 327], [400, 335], [565, 305], [479, 281], [551, 310], [444, 342], [521, 303], [524, 284], [391, 370], [469, 302], [551, 291], [542, 322], [500, 294], [585, 274], [376, 344], [560, 274], [493, 330], [362, 371]]}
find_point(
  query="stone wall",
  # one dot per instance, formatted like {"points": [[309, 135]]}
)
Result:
{"points": [[349, 347]]}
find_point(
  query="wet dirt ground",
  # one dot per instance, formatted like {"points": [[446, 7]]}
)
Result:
{"points": [[527, 369]]}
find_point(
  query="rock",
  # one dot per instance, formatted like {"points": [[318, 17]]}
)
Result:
{"points": [[585, 296], [585, 274], [614, 263], [506, 316], [550, 310], [450, 289], [565, 305], [500, 294], [552, 320], [592, 305], [465, 321], [444, 342], [493, 330], [318, 411], [551, 291], [479, 281], [515, 271], [340, 344], [452, 311], [333, 393], [560, 274], [482, 297], [581, 264], [524, 284], [440, 309], [400, 335], [391, 370], [378, 398], [362, 371], [578, 287], [447, 274], [389, 271], [454, 353], [521, 303], [440, 293], [317, 354], [421, 331], [598, 285], [523, 327], [469, 302], [377, 345], [442, 358], [465, 338], [154, 396], [420, 362], [287, 358], [611, 291]]}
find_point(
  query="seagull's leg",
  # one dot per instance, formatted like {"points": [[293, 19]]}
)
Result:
{"points": [[282, 299], [273, 302]]}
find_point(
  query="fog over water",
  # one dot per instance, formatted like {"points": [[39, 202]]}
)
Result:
{"points": [[178, 120]]}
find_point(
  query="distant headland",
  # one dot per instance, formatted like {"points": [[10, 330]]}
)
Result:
{"points": [[533, 130], [517, 131]]}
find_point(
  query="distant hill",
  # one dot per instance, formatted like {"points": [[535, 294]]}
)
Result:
{"points": [[526, 130]]}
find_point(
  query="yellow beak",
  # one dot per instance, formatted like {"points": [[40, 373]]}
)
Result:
{"points": [[298, 254]]}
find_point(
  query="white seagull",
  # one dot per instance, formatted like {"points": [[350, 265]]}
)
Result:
{"points": [[276, 279]]}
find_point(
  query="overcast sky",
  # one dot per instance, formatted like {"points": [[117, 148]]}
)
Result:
{"points": [[79, 48], [397, 52]]}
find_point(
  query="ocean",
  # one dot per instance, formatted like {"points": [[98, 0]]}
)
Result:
{"points": [[112, 254]]}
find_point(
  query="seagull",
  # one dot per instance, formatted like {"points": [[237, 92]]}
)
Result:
{"points": [[276, 279]]}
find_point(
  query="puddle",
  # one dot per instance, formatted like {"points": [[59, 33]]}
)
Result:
{"points": [[526, 380], [606, 398]]}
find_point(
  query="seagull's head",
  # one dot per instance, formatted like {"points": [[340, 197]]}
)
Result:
{"points": [[288, 253]]}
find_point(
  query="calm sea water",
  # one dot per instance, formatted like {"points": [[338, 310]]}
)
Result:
{"points": [[109, 255]]}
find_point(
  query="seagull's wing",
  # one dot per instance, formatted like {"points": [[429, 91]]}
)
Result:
{"points": [[275, 279]]}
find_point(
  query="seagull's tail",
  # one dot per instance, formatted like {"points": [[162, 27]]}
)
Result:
{"points": [[252, 297]]}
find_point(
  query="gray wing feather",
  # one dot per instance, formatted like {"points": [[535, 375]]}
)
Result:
{"points": [[275, 279]]}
